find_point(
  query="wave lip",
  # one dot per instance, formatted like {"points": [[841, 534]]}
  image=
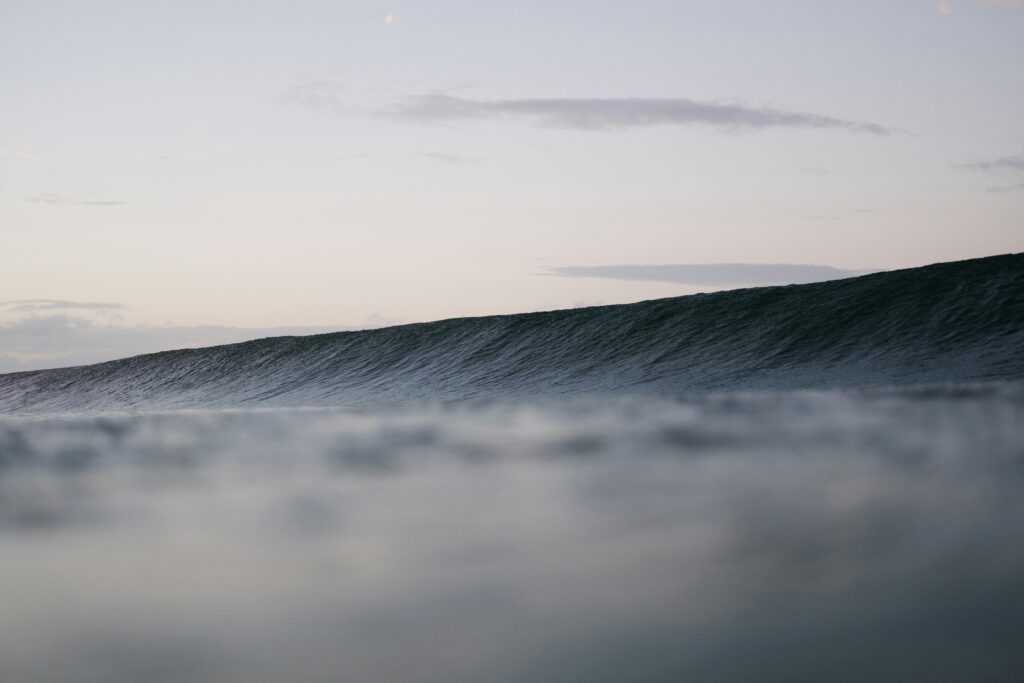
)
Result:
{"points": [[948, 322]]}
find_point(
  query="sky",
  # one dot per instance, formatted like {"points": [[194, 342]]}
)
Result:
{"points": [[179, 173]]}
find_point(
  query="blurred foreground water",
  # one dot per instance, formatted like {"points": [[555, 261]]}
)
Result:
{"points": [[809, 535]]}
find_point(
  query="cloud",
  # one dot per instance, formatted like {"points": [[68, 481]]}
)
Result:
{"points": [[64, 200], [999, 189], [944, 8], [716, 274], [48, 333], [449, 158], [619, 113], [37, 305], [1012, 163], [61, 339], [580, 113]]}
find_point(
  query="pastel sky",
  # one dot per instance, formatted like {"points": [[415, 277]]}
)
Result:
{"points": [[255, 164]]}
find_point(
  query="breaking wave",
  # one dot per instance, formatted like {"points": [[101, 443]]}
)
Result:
{"points": [[949, 322]]}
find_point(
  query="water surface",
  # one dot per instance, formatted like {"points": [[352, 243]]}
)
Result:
{"points": [[808, 535]]}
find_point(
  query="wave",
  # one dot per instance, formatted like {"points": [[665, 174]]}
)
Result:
{"points": [[948, 322]]}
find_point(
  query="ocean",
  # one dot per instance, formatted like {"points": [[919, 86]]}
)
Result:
{"points": [[813, 482]]}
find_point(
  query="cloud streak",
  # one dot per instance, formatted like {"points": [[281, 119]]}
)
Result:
{"points": [[1010, 163], [714, 274], [619, 113], [63, 200], [37, 334], [45, 305], [1001, 189], [50, 338], [449, 158]]}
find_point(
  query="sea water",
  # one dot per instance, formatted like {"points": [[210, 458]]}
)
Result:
{"points": [[799, 535]]}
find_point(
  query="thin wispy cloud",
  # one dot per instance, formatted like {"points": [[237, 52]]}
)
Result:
{"points": [[1001, 189], [43, 305], [49, 333], [1013, 164], [713, 274], [619, 113], [63, 200], [449, 158], [1010, 163], [62, 339]]}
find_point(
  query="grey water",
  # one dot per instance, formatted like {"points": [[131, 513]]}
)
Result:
{"points": [[842, 535]]}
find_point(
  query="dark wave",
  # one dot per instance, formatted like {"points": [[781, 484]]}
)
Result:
{"points": [[948, 322]]}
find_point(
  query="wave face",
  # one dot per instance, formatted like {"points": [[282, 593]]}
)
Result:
{"points": [[947, 322]]}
